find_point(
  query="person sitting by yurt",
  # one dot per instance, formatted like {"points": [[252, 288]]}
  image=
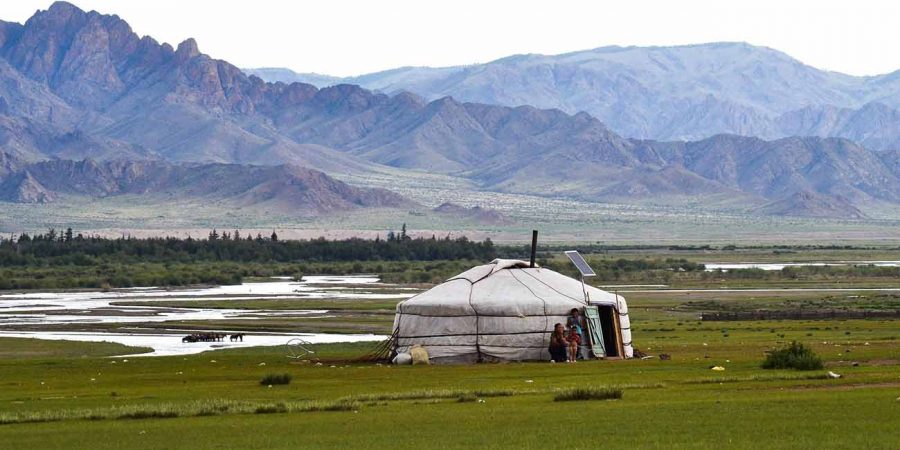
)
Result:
{"points": [[558, 344]]}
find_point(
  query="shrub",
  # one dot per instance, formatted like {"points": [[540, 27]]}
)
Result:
{"points": [[589, 393], [795, 356], [275, 378]]}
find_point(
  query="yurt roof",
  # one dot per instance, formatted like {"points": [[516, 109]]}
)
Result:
{"points": [[508, 282]]}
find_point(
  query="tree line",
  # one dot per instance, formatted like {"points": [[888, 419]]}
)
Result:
{"points": [[69, 248]]}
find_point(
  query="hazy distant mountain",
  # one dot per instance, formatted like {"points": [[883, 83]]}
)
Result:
{"points": [[290, 188], [874, 125], [288, 76], [77, 85], [724, 164], [684, 92]]}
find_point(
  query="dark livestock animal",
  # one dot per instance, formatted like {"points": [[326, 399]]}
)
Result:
{"points": [[205, 337], [237, 337]]}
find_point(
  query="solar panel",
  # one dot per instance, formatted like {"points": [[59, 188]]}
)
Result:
{"points": [[580, 263]]}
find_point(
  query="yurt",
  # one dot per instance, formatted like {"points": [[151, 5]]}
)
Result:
{"points": [[506, 311]]}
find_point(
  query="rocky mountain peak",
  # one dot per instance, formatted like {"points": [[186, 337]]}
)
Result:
{"points": [[62, 11], [9, 31], [187, 49], [407, 98]]}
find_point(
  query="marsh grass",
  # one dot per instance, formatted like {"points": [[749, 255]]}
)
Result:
{"points": [[173, 410], [589, 393], [433, 394]]}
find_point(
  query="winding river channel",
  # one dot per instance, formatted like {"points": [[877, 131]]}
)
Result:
{"points": [[53, 315]]}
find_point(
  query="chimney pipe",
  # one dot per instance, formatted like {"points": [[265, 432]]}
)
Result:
{"points": [[533, 246]]}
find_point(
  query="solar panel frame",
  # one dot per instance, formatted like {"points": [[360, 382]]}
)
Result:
{"points": [[580, 263]]}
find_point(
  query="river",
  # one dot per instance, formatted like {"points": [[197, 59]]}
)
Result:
{"points": [[24, 314]]}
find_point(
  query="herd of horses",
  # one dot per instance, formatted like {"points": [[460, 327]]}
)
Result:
{"points": [[212, 337]]}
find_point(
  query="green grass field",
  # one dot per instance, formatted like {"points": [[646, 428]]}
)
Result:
{"points": [[71, 395], [214, 400]]}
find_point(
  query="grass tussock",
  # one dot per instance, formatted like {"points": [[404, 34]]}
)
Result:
{"points": [[589, 393], [794, 356], [273, 379], [350, 403], [432, 394], [172, 410], [462, 395], [147, 415], [271, 409], [338, 405]]}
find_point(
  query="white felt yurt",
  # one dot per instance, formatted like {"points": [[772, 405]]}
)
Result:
{"points": [[506, 311]]}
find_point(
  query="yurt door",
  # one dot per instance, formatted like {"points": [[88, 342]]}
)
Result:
{"points": [[609, 330], [595, 331]]}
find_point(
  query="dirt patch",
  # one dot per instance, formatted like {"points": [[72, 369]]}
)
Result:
{"points": [[883, 362], [874, 362], [847, 387]]}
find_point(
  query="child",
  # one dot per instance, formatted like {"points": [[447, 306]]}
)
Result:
{"points": [[574, 341]]}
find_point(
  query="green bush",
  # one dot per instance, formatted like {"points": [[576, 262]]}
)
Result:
{"points": [[275, 378], [795, 356], [589, 393]]}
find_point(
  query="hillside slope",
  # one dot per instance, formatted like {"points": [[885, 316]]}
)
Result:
{"points": [[78, 85], [289, 188]]}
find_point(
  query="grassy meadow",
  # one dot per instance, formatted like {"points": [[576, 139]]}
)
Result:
{"points": [[78, 398], [73, 395]]}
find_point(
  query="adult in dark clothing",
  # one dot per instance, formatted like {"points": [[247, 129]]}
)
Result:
{"points": [[558, 344]]}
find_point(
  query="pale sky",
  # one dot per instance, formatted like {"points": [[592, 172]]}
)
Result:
{"points": [[344, 37]]}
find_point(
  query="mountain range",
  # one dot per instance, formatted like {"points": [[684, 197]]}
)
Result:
{"points": [[281, 187], [86, 105], [669, 93]]}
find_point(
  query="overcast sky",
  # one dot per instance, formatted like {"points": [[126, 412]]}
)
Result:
{"points": [[342, 37]]}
